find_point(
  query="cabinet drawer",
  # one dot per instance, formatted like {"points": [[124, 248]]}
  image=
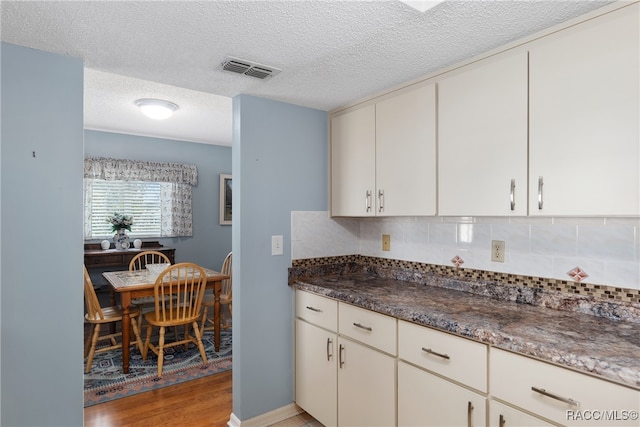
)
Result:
{"points": [[594, 402], [368, 327], [316, 309], [460, 359]]}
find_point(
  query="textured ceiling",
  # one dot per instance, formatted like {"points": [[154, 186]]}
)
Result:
{"points": [[331, 52]]}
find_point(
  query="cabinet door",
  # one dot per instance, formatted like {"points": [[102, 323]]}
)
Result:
{"points": [[316, 380], [366, 386], [406, 153], [353, 163], [584, 110], [427, 400], [505, 416], [482, 149]]}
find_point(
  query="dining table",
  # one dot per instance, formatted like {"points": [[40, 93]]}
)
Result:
{"points": [[140, 283]]}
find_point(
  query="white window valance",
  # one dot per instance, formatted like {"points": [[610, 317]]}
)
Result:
{"points": [[136, 170]]}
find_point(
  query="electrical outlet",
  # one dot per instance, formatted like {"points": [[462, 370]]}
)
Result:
{"points": [[497, 250], [277, 245], [386, 242]]}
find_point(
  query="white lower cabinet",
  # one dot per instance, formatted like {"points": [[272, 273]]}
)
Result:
{"points": [[442, 378], [366, 367], [561, 395], [425, 399], [366, 386], [316, 379], [342, 378], [502, 415]]}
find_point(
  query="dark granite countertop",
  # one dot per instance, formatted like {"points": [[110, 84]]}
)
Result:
{"points": [[597, 345]]}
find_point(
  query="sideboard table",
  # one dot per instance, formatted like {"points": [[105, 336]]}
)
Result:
{"points": [[96, 257]]}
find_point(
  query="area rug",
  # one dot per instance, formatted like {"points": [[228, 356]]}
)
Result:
{"points": [[106, 382]]}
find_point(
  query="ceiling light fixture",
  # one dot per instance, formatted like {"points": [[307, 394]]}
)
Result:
{"points": [[422, 6], [156, 109]]}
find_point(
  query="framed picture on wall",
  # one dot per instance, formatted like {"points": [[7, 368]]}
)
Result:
{"points": [[225, 199]]}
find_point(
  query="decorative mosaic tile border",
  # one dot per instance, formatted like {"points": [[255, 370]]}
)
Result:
{"points": [[346, 263]]}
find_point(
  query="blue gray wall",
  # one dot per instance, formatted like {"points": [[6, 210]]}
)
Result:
{"points": [[279, 165], [41, 299], [210, 242]]}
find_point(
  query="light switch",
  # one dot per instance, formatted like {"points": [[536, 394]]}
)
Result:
{"points": [[277, 245]]}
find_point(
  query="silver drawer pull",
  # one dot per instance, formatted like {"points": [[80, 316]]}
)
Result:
{"points": [[555, 396], [366, 328], [340, 358], [502, 421], [329, 345], [317, 310], [428, 350], [469, 413]]}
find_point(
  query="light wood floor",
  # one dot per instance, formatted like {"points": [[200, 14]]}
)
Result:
{"points": [[205, 402], [202, 402]]}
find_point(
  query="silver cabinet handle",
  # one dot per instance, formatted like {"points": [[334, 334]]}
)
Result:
{"points": [[512, 195], [540, 184], [329, 355], [340, 359], [381, 200], [317, 310], [367, 201], [428, 350], [366, 328], [502, 421], [567, 400], [469, 412]]}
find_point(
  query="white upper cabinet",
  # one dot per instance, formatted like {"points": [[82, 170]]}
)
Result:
{"points": [[584, 108], [482, 148], [406, 153], [353, 163], [547, 128], [383, 157]]}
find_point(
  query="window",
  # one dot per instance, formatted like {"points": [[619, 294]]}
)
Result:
{"points": [[157, 195], [137, 198]]}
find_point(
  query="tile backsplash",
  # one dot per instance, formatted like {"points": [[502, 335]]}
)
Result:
{"points": [[598, 251]]}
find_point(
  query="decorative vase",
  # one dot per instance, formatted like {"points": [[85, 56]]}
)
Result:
{"points": [[105, 245], [121, 239]]}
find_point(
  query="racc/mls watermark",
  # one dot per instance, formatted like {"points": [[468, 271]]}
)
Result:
{"points": [[602, 415]]}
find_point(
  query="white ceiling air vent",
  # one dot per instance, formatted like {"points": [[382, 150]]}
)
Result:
{"points": [[248, 68]]}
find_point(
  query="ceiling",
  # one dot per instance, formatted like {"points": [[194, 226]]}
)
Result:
{"points": [[331, 53]]}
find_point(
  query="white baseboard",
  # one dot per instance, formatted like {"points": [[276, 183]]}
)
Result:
{"points": [[267, 419]]}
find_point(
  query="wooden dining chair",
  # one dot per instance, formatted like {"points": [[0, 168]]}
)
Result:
{"points": [[97, 316], [225, 299], [139, 262], [187, 282]]}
